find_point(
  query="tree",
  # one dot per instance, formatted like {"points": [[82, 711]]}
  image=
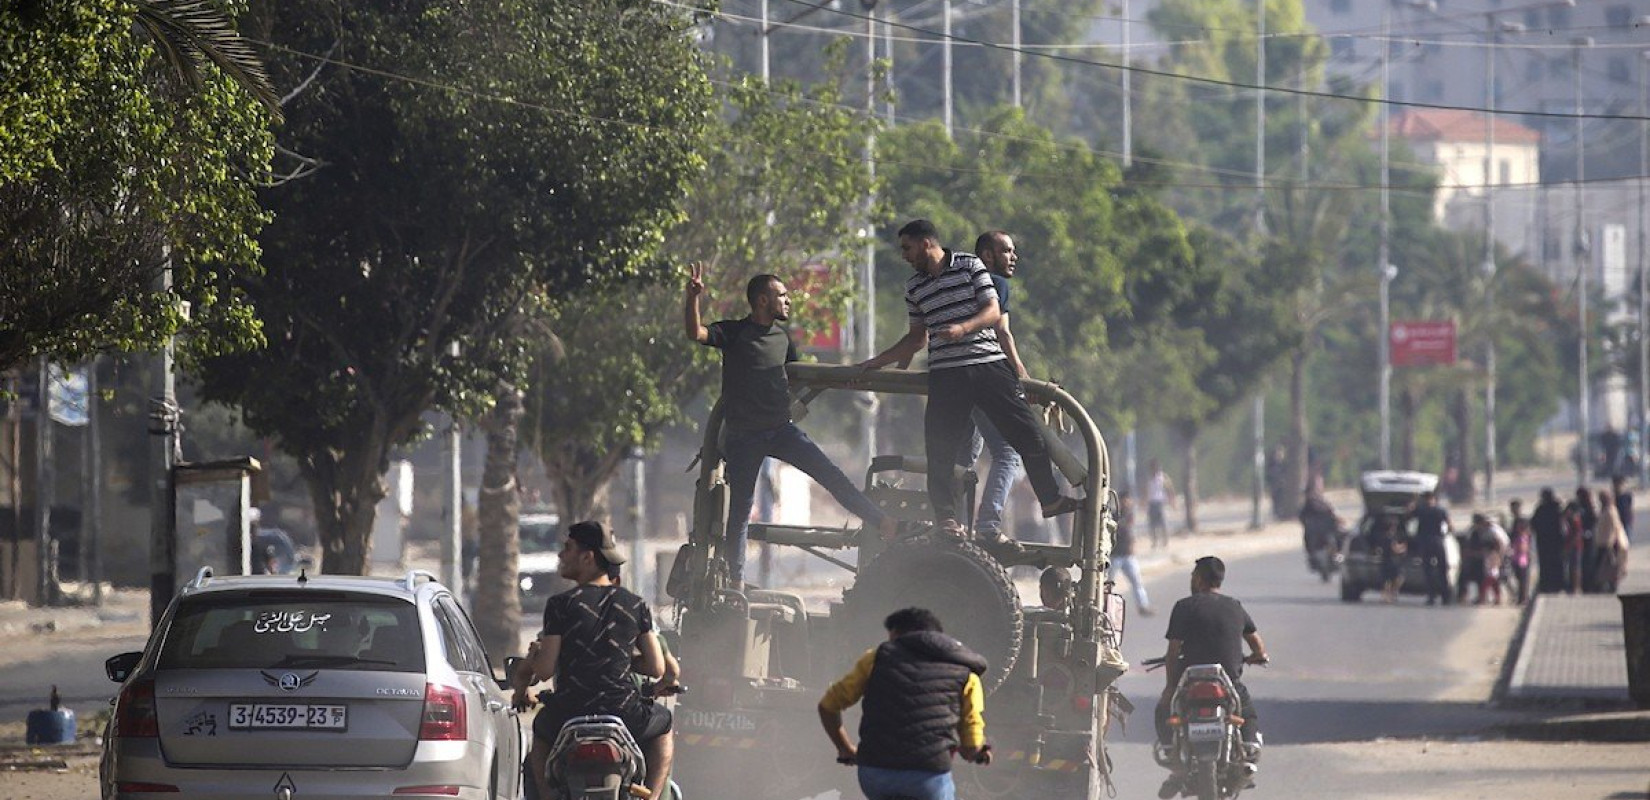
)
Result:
{"points": [[475, 157], [784, 188], [497, 605], [109, 173]]}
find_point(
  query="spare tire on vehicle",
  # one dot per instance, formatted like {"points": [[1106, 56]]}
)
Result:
{"points": [[962, 584]]}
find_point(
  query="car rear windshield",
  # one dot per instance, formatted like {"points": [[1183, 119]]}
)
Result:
{"points": [[263, 631]]}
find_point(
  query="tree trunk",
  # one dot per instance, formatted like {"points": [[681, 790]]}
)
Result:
{"points": [[345, 489], [497, 606], [1461, 489], [1298, 470], [1406, 431], [580, 496], [1188, 478]]}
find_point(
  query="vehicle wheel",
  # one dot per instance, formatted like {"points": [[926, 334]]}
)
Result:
{"points": [[1351, 592], [1206, 781], [969, 590]]}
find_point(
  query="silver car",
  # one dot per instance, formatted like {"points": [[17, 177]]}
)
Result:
{"points": [[283, 687]]}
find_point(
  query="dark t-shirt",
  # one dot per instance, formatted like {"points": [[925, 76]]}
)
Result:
{"points": [[1431, 523], [599, 626], [1123, 544], [1001, 282], [756, 394], [1210, 627]]}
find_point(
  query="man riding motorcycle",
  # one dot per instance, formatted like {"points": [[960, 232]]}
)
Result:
{"points": [[591, 634], [1209, 628], [1320, 526]]}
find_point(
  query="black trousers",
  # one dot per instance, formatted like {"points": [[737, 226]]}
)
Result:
{"points": [[993, 388]]}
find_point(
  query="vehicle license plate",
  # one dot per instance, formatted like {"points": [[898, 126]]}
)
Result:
{"points": [[288, 715], [1205, 731]]}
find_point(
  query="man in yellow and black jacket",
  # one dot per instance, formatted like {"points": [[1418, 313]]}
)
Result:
{"points": [[923, 702]]}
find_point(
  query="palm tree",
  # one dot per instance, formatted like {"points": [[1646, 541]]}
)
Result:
{"points": [[189, 33]]}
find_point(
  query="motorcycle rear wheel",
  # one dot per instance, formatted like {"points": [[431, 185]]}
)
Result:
{"points": [[1206, 781]]}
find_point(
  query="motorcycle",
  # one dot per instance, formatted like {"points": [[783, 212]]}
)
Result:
{"points": [[1326, 552], [1207, 749], [596, 758]]}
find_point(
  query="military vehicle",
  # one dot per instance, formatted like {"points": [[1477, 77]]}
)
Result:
{"points": [[760, 659]]}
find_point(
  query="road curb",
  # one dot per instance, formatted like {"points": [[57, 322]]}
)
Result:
{"points": [[1517, 662]]}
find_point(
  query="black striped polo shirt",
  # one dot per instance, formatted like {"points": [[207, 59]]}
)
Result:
{"points": [[954, 295]]}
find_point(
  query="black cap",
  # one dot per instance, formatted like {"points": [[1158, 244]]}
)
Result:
{"points": [[592, 535]]}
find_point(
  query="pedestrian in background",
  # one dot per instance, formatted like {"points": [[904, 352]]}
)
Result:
{"points": [[1391, 547], [1159, 498], [996, 251], [1624, 505], [1431, 526], [1547, 524], [1520, 543], [1580, 518], [1609, 547], [1122, 554]]}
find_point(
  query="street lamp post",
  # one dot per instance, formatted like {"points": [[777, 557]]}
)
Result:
{"points": [[1383, 257], [1580, 253], [1644, 290], [1259, 487]]}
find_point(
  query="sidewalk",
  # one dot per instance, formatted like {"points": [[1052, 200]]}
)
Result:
{"points": [[1571, 659]]}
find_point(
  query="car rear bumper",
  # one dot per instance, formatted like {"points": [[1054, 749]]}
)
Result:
{"points": [[435, 764]]}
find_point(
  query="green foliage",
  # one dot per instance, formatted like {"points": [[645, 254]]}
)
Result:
{"points": [[784, 186], [107, 173], [472, 158]]}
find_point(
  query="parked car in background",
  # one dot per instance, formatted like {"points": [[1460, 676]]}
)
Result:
{"points": [[537, 578], [326, 687], [1391, 495]]}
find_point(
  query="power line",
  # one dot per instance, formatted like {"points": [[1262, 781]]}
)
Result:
{"points": [[1230, 84]]}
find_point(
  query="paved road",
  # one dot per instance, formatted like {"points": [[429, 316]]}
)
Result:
{"points": [[1342, 673]]}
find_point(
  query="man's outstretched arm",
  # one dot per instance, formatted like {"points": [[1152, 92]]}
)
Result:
{"points": [[908, 346]]}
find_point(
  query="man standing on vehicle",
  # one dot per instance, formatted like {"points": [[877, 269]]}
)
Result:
{"points": [[952, 308], [756, 409], [923, 701], [591, 633], [1209, 628], [996, 250], [1431, 526]]}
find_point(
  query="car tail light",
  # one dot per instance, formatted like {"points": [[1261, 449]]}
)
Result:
{"points": [[1206, 691], [1207, 712], [124, 787], [444, 717], [450, 791], [135, 713], [595, 753]]}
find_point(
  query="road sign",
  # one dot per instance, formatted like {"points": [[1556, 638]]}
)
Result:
{"points": [[1419, 343]]}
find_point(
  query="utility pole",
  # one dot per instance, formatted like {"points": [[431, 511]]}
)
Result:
{"points": [[1259, 488], [1015, 28], [1581, 252], [452, 539], [1491, 40], [762, 35], [91, 553], [1383, 256], [45, 482], [945, 66], [868, 266], [164, 417], [1644, 289], [1128, 88]]}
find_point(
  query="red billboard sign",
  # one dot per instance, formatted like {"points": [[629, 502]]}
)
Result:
{"points": [[815, 277], [1419, 343]]}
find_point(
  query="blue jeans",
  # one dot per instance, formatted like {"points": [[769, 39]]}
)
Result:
{"points": [[744, 451], [905, 784], [1129, 568], [1005, 469]]}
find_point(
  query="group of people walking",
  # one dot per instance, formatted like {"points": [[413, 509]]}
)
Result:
{"points": [[1581, 546], [1574, 547]]}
